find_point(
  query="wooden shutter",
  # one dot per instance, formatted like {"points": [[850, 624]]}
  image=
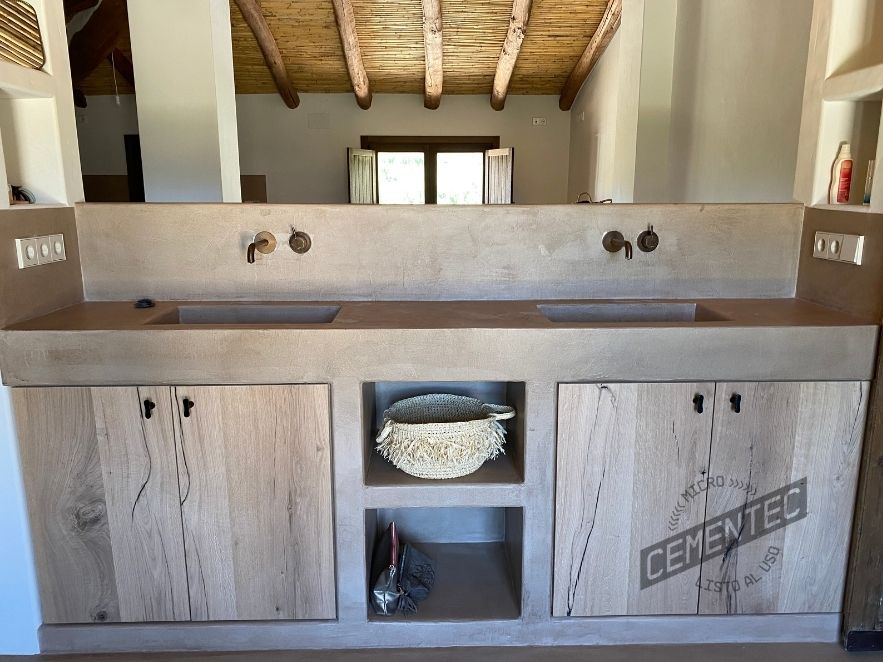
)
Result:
{"points": [[363, 176], [499, 169], [20, 40]]}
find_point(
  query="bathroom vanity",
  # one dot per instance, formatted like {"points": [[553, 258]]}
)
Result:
{"points": [[202, 473]]}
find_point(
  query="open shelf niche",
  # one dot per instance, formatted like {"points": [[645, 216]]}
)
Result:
{"points": [[477, 554], [842, 102], [506, 469], [38, 136]]}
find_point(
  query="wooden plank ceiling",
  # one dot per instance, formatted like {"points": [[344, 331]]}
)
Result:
{"points": [[390, 33]]}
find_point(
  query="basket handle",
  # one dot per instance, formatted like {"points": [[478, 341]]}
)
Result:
{"points": [[385, 432], [499, 412]]}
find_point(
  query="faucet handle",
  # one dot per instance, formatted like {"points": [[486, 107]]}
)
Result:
{"points": [[300, 242], [648, 240]]}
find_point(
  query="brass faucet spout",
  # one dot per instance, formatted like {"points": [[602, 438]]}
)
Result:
{"points": [[264, 242]]}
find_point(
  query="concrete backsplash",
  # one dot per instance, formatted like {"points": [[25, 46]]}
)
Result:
{"points": [[847, 287], [436, 252], [37, 290]]}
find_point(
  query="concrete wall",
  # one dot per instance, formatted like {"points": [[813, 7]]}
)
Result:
{"points": [[437, 253], [303, 152]]}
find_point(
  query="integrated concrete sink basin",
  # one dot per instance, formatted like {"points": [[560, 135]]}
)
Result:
{"points": [[627, 312], [245, 313]]}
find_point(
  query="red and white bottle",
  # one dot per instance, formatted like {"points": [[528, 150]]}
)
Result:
{"points": [[841, 177]]}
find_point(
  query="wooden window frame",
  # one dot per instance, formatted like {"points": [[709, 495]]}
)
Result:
{"points": [[431, 146]]}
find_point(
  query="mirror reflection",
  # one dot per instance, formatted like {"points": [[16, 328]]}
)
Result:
{"points": [[440, 101]]}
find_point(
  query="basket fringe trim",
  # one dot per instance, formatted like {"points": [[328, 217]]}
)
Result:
{"points": [[441, 455]]}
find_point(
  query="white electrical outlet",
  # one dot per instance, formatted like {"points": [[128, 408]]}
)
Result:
{"points": [[26, 251], [58, 252], [838, 247], [32, 251], [539, 121], [44, 250]]}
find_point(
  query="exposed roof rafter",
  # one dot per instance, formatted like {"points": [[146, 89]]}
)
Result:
{"points": [[597, 45], [509, 55], [349, 40], [433, 46], [91, 45], [251, 12]]}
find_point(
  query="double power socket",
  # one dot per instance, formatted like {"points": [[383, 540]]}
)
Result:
{"points": [[838, 247], [34, 251]]}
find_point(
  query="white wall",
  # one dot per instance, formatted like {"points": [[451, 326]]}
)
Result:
{"points": [[186, 99], [303, 151], [717, 103], [101, 128], [19, 605], [604, 118], [593, 129], [739, 73]]}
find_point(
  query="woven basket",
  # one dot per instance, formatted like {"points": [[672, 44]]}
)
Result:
{"points": [[442, 436]]}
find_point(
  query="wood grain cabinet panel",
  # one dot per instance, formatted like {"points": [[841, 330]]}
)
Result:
{"points": [[140, 472], [626, 453], [255, 486], [783, 433], [102, 496]]}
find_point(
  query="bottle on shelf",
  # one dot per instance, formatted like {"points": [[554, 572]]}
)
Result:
{"points": [[841, 177]]}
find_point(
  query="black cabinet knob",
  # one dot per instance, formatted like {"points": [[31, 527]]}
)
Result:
{"points": [[148, 408], [736, 403], [188, 407], [699, 403]]}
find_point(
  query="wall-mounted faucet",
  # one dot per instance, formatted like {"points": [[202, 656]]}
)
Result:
{"points": [[264, 242], [613, 242]]}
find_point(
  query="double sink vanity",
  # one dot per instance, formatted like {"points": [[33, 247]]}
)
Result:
{"points": [[212, 461]]}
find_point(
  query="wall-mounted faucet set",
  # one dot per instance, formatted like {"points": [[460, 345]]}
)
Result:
{"points": [[613, 242], [265, 243]]}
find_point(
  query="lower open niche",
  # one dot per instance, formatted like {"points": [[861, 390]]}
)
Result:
{"points": [[477, 554]]}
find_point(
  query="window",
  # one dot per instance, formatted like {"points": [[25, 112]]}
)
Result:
{"points": [[430, 170]]}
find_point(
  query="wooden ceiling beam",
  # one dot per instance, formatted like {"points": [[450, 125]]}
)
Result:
{"points": [[254, 17], [91, 45], [433, 47], [597, 45], [509, 55], [349, 40], [74, 7]]}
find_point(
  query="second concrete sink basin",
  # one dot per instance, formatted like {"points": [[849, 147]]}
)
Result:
{"points": [[245, 313], [627, 312]]}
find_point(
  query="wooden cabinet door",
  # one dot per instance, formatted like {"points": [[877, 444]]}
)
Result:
{"points": [[102, 493], [806, 434], [256, 501], [627, 453]]}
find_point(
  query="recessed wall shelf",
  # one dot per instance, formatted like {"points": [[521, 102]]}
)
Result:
{"points": [[506, 469], [477, 554], [842, 102], [864, 84]]}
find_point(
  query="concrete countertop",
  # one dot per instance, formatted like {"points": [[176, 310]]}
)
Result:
{"points": [[122, 315], [96, 343]]}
